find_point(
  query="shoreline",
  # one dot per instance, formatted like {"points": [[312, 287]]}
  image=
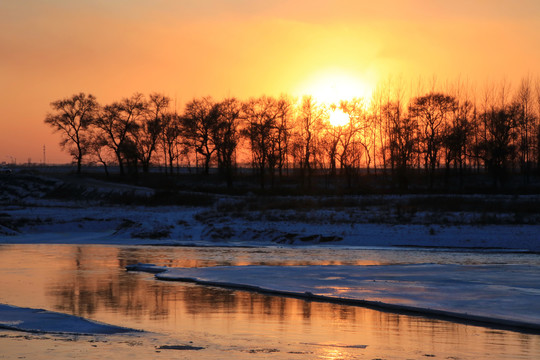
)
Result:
{"points": [[168, 274]]}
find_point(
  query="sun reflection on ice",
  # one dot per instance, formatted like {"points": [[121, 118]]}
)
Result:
{"points": [[332, 354]]}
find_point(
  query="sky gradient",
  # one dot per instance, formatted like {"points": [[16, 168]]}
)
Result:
{"points": [[184, 49]]}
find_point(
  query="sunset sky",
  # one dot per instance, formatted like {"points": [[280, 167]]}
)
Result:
{"points": [[112, 48]]}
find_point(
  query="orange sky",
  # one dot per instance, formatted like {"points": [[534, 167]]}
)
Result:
{"points": [[112, 48]]}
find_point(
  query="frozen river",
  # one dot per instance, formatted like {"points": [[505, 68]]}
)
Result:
{"points": [[189, 321]]}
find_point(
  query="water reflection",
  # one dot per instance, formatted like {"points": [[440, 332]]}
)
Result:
{"points": [[90, 281]]}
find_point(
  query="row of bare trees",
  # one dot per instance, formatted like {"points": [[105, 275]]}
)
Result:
{"points": [[435, 132], [498, 134]]}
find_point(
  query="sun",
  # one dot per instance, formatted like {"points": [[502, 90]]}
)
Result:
{"points": [[338, 118], [332, 86]]}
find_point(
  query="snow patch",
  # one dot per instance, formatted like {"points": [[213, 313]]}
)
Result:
{"points": [[43, 321]]}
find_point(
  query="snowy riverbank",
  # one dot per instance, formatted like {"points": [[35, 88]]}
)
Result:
{"points": [[173, 225], [42, 209]]}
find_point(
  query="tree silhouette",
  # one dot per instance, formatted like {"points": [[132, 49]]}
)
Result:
{"points": [[117, 122], [150, 128], [283, 132], [263, 132], [98, 150], [497, 148], [310, 118], [498, 134], [171, 138], [225, 135], [403, 141], [527, 122], [348, 150], [72, 117], [198, 123], [358, 130], [457, 137], [431, 111], [330, 139]]}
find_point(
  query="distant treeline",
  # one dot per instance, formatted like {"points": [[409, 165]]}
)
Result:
{"points": [[439, 134]]}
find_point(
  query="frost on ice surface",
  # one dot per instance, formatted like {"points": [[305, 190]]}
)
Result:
{"points": [[502, 294], [43, 321]]}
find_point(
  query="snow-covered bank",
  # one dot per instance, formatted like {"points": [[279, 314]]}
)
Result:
{"points": [[43, 321], [69, 209], [176, 225], [507, 295]]}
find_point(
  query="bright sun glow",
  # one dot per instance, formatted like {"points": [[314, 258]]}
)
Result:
{"points": [[333, 86], [338, 118]]}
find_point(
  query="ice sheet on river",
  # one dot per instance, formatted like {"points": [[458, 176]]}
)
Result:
{"points": [[501, 294], [43, 321]]}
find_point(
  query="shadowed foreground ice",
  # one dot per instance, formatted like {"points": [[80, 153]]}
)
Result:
{"points": [[499, 294], [43, 321]]}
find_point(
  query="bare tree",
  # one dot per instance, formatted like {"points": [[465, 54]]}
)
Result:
{"points": [[457, 136], [100, 151], [225, 135], [360, 128], [537, 124], [431, 111], [117, 122], [284, 112], [348, 151], [402, 131], [170, 137], [497, 148], [390, 92], [72, 117], [330, 140], [198, 123], [309, 121], [526, 125], [262, 132], [150, 128]]}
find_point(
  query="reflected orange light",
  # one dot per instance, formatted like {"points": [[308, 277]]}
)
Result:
{"points": [[90, 281], [331, 354]]}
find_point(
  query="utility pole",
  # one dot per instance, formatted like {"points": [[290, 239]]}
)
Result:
{"points": [[44, 157]]}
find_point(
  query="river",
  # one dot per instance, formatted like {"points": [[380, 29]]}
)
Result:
{"points": [[214, 323]]}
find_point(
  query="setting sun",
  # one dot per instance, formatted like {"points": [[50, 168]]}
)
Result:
{"points": [[331, 87], [338, 118]]}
